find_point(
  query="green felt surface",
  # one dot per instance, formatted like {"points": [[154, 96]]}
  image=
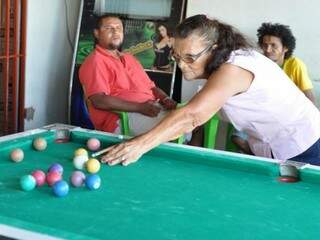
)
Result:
{"points": [[173, 192]]}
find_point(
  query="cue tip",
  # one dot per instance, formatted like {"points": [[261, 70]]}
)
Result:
{"points": [[96, 154]]}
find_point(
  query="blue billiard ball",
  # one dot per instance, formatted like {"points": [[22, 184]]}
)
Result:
{"points": [[60, 188], [93, 181], [56, 167]]}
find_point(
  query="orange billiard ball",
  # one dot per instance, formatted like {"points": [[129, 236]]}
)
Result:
{"points": [[17, 155], [40, 144]]}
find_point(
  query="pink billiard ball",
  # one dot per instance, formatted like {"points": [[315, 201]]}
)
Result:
{"points": [[77, 178], [53, 177], [93, 144], [39, 176], [17, 155]]}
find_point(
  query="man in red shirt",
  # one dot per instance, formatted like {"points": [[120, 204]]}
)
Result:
{"points": [[115, 81]]}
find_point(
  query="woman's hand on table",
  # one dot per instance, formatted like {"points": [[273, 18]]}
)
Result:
{"points": [[124, 153]]}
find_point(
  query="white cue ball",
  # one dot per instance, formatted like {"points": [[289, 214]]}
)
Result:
{"points": [[80, 161]]}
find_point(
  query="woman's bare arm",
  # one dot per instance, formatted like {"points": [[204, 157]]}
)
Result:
{"points": [[229, 80]]}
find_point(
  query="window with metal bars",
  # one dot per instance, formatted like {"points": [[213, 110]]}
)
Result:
{"points": [[12, 65]]}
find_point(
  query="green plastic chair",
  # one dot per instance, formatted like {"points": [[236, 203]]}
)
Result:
{"points": [[210, 132], [210, 135], [230, 146], [123, 116], [124, 122], [125, 128]]}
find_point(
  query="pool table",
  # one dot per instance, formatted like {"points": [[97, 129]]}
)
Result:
{"points": [[172, 192]]}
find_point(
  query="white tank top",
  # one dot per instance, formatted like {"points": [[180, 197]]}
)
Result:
{"points": [[274, 113]]}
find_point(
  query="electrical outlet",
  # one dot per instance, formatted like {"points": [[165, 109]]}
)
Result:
{"points": [[29, 113]]}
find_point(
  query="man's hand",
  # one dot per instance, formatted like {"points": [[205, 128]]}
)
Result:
{"points": [[165, 101], [149, 108], [168, 103]]}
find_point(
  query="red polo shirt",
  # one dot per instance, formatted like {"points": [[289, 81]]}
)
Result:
{"points": [[121, 77]]}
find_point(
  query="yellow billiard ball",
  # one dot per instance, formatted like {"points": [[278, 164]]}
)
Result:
{"points": [[80, 151], [93, 165]]}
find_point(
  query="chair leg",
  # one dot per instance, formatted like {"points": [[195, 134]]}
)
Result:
{"points": [[179, 140], [210, 132], [124, 121], [230, 146]]}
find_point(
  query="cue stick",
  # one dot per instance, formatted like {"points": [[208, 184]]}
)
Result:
{"points": [[100, 152], [96, 154]]}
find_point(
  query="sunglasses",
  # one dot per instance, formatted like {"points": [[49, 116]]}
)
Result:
{"points": [[189, 58]]}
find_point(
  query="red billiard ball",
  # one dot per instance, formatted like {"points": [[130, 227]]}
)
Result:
{"points": [[39, 176], [288, 179], [53, 177]]}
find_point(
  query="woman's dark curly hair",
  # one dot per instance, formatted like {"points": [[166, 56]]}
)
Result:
{"points": [[213, 32], [281, 31]]}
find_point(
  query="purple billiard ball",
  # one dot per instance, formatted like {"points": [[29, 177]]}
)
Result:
{"points": [[93, 181], [60, 188], [77, 178], [56, 167]]}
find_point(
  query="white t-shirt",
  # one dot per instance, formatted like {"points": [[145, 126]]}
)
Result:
{"points": [[274, 113]]}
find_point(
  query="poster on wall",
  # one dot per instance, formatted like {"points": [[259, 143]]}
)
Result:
{"points": [[150, 42], [148, 27]]}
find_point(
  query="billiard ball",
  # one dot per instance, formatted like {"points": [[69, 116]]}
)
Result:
{"points": [[53, 177], [80, 151], [93, 181], [39, 176], [79, 161], [288, 179], [17, 155], [40, 144], [60, 188], [93, 165], [27, 182], [77, 178], [56, 167], [93, 144]]}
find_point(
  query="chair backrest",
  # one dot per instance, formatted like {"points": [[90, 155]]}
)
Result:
{"points": [[210, 135], [79, 115]]}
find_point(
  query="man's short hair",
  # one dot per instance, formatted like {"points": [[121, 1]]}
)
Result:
{"points": [[100, 18], [281, 31]]}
